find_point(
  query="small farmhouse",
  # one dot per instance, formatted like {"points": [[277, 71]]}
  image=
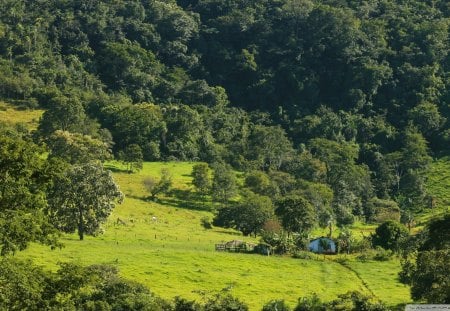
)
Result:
{"points": [[322, 245]]}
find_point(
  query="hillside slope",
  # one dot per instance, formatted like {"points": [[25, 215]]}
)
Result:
{"points": [[174, 256]]}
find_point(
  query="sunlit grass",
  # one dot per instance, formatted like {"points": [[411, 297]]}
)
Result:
{"points": [[11, 115], [174, 255]]}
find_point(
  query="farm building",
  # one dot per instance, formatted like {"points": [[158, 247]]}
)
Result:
{"points": [[244, 247], [235, 246], [322, 245]]}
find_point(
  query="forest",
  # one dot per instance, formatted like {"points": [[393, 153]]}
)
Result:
{"points": [[333, 110]]}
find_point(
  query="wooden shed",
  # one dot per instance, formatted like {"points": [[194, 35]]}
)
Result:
{"points": [[322, 245]]}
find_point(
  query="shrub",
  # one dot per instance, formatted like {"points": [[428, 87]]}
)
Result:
{"points": [[382, 254], [389, 235], [206, 222], [276, 305], [362, 245], [302, 255]]}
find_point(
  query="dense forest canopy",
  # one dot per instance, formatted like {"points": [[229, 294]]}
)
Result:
{"points": [[342, 97]]}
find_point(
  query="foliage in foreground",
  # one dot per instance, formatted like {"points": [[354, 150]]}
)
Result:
{"points": [[426, 267], [24, 286], [24, 178]]}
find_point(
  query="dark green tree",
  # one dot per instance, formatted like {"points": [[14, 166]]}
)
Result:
{"points": [[437, 234], [258, 182], [24, 178], [276, 305], [429, 279], [389, 235], [296, 214], [426, 268], [22, 285], [248, 216]]}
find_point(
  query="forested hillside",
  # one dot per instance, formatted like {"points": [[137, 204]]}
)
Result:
{"points": [[351, 95], [299, 114]]}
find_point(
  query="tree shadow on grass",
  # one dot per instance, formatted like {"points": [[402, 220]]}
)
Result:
{"points": [[115, 169], [185, 199]]}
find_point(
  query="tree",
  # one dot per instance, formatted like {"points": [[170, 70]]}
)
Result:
{"points": [[82, 199], [21, 285], [66, 114], [438, 234], [140, 124], [296, 214], [350, 182], [389, 235], [379, 210], [200, 178], [352, 301], [155, 187], [258, 182], [320, 196], [248, 216], [24, 178], [77, 148], [224, 301], [132, 157], [429, 279], [415, 163], [268, 147], [224, 183], [427, 268], [427, 118]]}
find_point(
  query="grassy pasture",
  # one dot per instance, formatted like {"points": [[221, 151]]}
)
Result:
{"points": [[174, 255], [11, 115], [438, 186]]}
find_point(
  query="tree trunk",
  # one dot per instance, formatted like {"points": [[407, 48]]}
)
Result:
{"points": [[80, 225]]}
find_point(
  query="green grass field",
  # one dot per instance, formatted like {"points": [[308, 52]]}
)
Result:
{"points": [[175, 256], [11, 115]]}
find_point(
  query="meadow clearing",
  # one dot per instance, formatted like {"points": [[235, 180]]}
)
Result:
{"points": [[163, 245]]}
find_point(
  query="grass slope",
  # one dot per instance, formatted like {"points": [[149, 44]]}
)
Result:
{"points": [[438, 186], [11, 115], [175, 255]]}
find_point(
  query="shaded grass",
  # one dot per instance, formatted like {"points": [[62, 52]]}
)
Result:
{"points": [[174, 255]]}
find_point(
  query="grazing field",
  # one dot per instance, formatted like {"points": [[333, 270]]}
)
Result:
{"points": [[163, 245], [438, 186], [12, 115]]}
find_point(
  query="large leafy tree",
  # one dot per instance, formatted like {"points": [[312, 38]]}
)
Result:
{"points": [[427, 270], [389, 235], [224, 183], [24, 177], [296, 214], [132, 156], [83, 198], [268, 147], [248, 216], [77, 148], [200, 178]]}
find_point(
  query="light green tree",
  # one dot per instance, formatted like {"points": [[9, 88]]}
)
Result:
{"points": [[82, 199]]}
